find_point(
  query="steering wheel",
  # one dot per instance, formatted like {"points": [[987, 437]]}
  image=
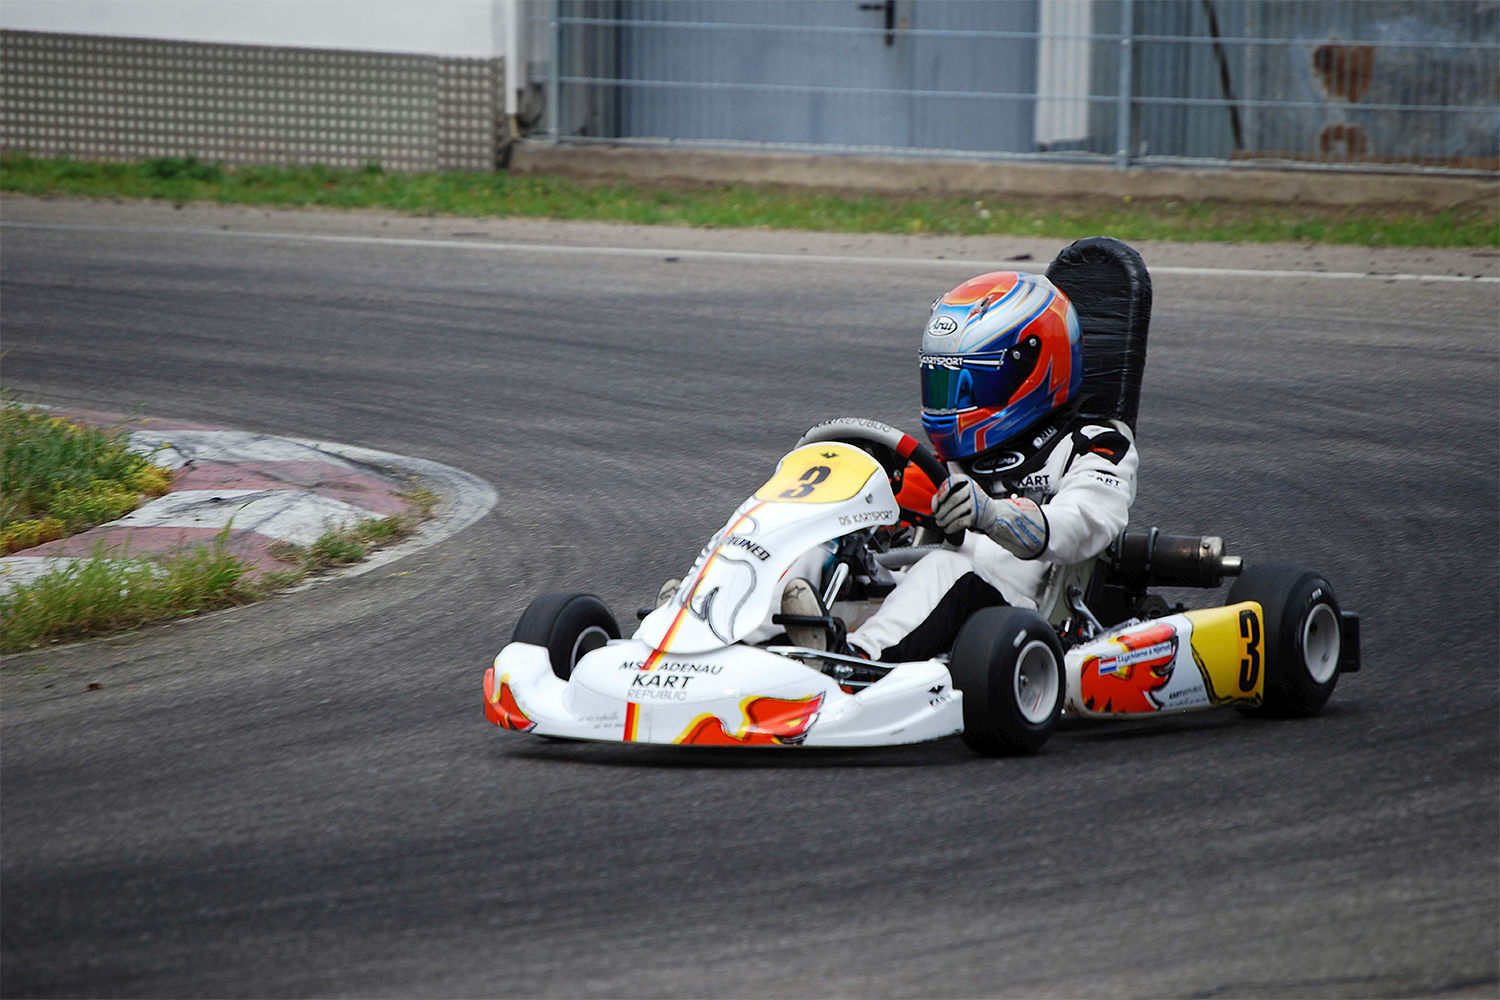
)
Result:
{"points": [[853, 430]]}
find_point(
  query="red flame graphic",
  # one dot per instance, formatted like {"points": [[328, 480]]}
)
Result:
{"points": [[1130, 687], [768, 722], [501, 708]]}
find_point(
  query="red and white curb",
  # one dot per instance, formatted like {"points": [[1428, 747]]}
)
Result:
{"points": [[266, 490]]}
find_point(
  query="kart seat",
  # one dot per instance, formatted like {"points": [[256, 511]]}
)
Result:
{"points": [[1111, 289]]}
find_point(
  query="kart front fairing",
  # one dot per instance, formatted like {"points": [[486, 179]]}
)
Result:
{"points": [[688, 677], [818, 493], [735, 696]]}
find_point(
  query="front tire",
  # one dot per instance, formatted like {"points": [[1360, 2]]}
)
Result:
{"points": [[569, 625], [1303, 637], [1009, 665]]}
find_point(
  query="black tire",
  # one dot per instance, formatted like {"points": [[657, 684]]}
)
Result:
{"points": [[1303, 637], [569, 624], [1000, 654]]}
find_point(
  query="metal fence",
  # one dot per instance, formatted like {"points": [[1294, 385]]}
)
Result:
{"points": [[100, 97], [1354, 84]]}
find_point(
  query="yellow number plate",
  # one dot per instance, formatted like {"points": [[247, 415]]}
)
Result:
{"points": [[819, 473]]}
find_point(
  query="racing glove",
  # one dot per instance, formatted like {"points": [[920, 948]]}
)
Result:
{"points": [[1016, 523]]}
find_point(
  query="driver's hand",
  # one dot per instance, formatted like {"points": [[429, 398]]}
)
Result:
{"points": [[1016, 523], [953, 504]]}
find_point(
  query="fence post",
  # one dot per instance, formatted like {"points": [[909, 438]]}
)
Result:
{"points": [[554, 45], [1122, 120]]}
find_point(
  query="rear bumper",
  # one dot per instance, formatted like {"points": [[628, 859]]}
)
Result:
{"points": [[1349, 647]]}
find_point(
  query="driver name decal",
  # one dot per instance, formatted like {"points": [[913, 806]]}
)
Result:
{"points": [[1131, 679]]}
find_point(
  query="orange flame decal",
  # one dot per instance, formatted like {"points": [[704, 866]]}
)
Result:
{"points": [[500, 704], [1055, 365], [989, 286], [1124, 682], [768, 722]]}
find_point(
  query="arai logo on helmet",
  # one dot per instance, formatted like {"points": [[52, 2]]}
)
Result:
{"points": [[941, 326]]}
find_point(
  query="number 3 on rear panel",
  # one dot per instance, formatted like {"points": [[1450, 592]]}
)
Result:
{"points": [[1250, 662]]}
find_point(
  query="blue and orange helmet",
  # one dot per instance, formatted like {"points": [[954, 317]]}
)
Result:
{"points": [[1001, 352]]}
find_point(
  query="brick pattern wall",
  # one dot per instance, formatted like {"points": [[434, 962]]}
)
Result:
{"points": [[111, 98]]}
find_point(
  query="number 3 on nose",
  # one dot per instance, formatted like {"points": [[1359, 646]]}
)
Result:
{"points": [[809, 479]]}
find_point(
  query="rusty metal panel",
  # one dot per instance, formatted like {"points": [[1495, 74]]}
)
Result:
{"points": [[1401, 82], [102, 97]]}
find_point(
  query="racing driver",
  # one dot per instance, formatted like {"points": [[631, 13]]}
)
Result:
{"points": [[1033, 483]]}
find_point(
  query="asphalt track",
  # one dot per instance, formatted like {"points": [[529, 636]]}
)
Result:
{"points": [[302, 797]]}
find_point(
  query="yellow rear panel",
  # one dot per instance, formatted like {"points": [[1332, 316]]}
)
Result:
{"points": [[1229, 649]]}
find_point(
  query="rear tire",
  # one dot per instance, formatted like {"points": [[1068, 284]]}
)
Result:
{"points": [[569, 625], [1009, 665], [1303, 637]]}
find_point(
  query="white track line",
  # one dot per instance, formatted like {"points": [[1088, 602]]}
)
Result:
{"points": [[726, 255]]}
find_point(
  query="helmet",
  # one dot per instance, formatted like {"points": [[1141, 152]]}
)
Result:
{"points": [[1001, 352]]}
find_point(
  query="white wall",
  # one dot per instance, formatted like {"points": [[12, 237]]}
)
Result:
{"points": [[431, 27]]}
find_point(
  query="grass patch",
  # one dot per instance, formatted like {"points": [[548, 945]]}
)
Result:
{"points": [[740, 206], [106, 593], [342, 546], [58, 478], [110, 592]]}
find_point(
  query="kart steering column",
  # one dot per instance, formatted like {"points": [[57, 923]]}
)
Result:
{"points": [[853, 430]]}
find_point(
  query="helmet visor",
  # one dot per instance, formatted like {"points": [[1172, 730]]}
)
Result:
{"points": [[951, 384]]}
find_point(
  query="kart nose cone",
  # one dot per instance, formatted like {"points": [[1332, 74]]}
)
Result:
{"points": [[633, 672]]}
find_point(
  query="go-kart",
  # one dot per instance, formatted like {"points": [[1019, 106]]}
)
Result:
{"points": [[712, 665]]}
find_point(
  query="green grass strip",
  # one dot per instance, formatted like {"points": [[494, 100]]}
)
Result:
{"points": [[500, 195], [58, 478], [104, 593]]}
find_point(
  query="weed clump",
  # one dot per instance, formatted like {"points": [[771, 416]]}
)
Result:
{"points": [[350, 544], [105, 593], [58, 478]]}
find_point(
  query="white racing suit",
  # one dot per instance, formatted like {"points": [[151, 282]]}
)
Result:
{"points": [[1084, 483]]}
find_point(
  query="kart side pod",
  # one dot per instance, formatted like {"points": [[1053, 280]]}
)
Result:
{"points": [[1194, 659]]}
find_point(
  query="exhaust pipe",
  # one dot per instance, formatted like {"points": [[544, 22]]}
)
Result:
{"points": [[1152, 559]]}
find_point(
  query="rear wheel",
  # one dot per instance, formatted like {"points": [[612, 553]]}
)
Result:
{"points": [[1009, 665], [569, 625], [1303, 636]]}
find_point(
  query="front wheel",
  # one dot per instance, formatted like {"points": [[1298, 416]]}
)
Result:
{"points": [[569, 625], [1303, 639], [1009, 665]]}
